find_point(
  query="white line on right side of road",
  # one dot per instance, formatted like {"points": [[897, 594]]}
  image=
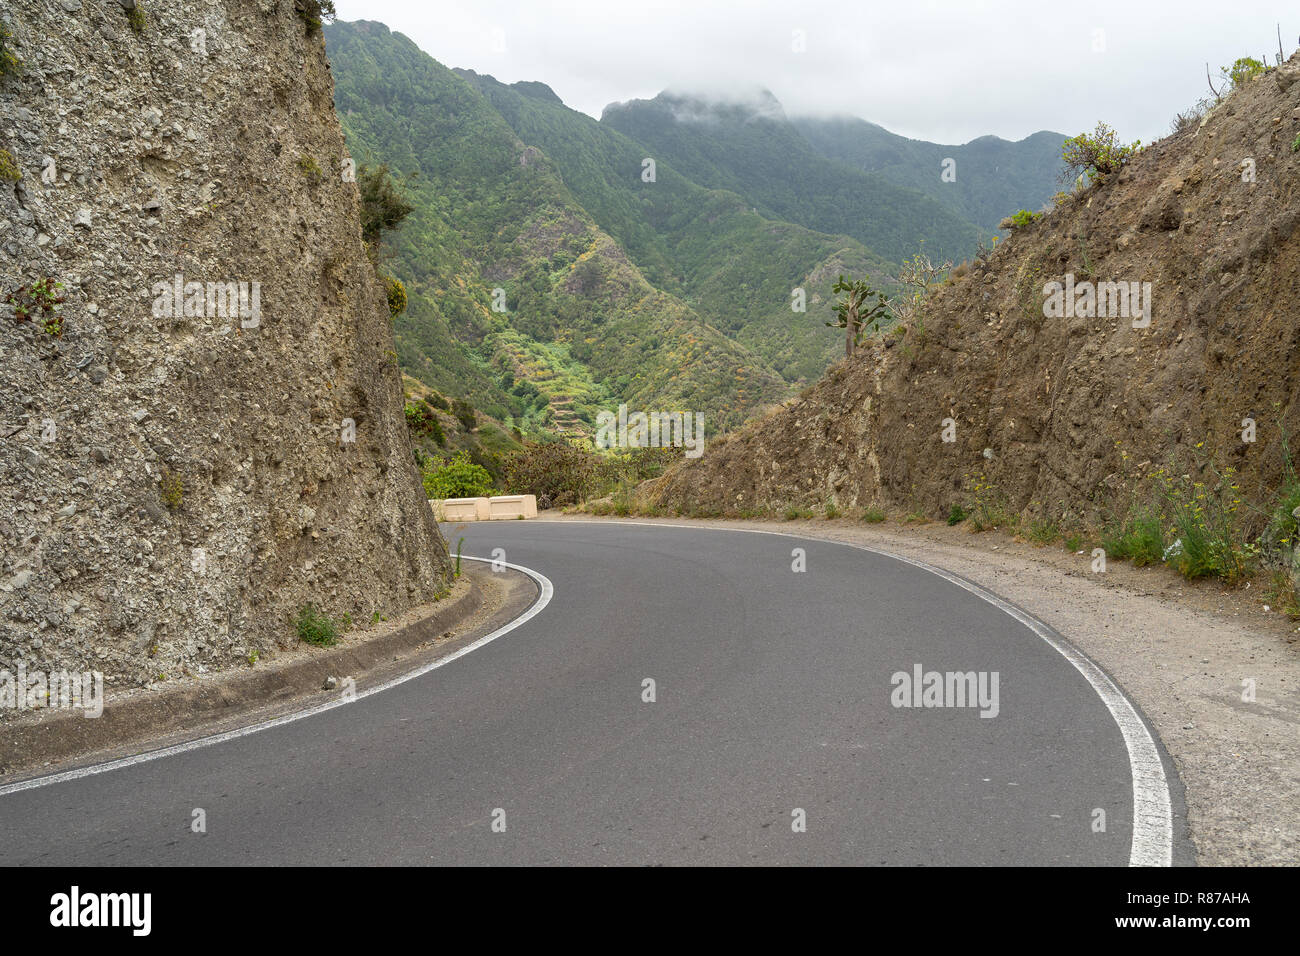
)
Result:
{"points": [[545, 592], [1153, 829]]}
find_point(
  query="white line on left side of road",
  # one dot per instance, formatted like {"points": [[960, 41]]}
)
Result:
{"points": [[546, 591]]}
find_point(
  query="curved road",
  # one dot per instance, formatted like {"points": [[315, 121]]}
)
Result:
{"points": [[772, 707]]}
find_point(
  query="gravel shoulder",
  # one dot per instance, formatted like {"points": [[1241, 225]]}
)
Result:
{"points": [[1181, 650]]}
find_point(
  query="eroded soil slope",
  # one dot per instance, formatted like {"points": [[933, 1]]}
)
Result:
{"points": [[1056, 413]]}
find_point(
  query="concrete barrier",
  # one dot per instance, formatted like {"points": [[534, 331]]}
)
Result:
{"points": [[498, 508]]}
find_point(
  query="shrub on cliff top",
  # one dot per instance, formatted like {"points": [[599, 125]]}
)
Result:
{"points": [[315, 12], [1096, 155]]}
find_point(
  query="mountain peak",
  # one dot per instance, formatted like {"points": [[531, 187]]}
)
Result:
{"points": [[712, 106]]}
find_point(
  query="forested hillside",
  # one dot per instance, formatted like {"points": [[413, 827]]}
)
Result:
{"points": [[752, 149], [581, 328], [990, 178], [704, 282], [733, 266]]}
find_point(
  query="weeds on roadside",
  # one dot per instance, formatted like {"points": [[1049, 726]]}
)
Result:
{"points": [[988, 506], [316, 628]]}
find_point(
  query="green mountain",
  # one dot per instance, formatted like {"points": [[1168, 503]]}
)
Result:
{"points": [[752, 149], [991, 177], [582, 328], [736, 268]]}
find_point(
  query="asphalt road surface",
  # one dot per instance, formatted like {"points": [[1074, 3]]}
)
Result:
{"points": [[772, 737]]}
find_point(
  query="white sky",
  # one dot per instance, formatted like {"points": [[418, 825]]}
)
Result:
{"points": [[941, 71]]}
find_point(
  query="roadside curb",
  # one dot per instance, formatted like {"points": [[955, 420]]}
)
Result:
{"points": [[138, 720]]}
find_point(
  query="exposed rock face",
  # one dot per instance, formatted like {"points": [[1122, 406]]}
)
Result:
{"points": [[1054, 411], [177, 480]]}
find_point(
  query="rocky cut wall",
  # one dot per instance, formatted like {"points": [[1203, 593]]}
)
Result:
{"points": [[1063, 413], [176, 482]]}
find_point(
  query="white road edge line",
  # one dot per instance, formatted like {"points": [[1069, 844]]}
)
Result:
{"points": [[1153, 829], [543, 599]]}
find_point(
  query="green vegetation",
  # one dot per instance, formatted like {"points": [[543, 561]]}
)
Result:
{"points": [[989, 176], [1042, 531], [171, 489], [9, 170], [40, 300], [988, 508], [1097, 155], [315, 13], [857, 313], [136, 19], [9, 62], [873, 516], [1295, 144], [457, 478], [1021, 219], [518, 301], [396, 293], [831, 511], [752, 150], [1243, 69], [383, 207], [316, 628], [310, 169], [956, 515], [558, 472]]}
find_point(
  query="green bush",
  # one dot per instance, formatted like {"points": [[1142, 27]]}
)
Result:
{"points": [[315, 628], [1042, 531], [956, 515], [136, 19], [1098, 154], [9, 62], [457, 478], [1020, 219], [1243, 70], [464, 413], [383, 207], [314, 13], [873, 516], [1139, 537], [556, 470], [171, 489], [396, 292], [9, 167]]}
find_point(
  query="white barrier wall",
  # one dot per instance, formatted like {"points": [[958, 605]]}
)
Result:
{"points": [[498, 508]]}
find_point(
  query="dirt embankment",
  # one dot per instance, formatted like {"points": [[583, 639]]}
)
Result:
{"points": [[1047, 408]]}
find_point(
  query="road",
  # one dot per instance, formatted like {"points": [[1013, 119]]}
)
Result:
{"points": [[772, 737]]}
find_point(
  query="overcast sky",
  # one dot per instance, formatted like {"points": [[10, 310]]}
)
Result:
{"points": [[941, 71]]}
